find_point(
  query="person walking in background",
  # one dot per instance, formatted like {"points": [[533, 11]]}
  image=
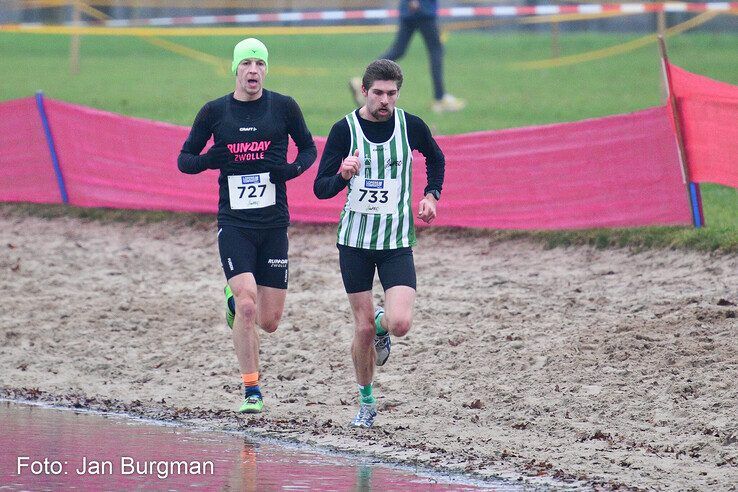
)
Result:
{"points": [[421, 15], [370, 152], [251, 127]]}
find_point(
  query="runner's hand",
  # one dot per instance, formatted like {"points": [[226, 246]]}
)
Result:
{"points": [[427, 209], [216, 157], [282, 173], [350, 166]]}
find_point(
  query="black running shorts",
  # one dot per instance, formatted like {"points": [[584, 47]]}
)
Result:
{"points": [[262, 252], [395, 267]]}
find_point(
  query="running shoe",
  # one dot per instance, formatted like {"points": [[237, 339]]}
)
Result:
{"points": [[252, 404], [366, 415], [230, 306], [382, 343], [448, 104]]}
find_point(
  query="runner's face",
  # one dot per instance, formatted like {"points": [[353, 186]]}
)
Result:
{"points": [[381, 99], [250, 77]]}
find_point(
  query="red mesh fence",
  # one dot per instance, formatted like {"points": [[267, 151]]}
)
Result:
{"points": [[26, 170], [708, 112], [617, 171], [109, 160]]}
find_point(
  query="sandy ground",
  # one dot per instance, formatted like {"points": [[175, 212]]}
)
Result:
{"points": [[612, 367]]}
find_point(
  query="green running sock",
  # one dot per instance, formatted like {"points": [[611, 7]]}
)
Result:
{"points": [[365, 394], [378, 325]]}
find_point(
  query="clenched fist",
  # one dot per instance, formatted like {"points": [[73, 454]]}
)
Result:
{"points": [[350, 166]]}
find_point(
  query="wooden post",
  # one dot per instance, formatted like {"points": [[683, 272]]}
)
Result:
{"points": [[660, 31], [555, 49], [74, 42], [693, 191], [660, 22]]}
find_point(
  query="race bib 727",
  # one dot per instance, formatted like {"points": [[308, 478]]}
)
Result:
{"points": [[249, 191]]}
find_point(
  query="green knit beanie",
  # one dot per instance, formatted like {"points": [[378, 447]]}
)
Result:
{"points": [[249, 48]]}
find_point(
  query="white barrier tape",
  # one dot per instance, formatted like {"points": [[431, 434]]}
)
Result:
{"points": [[381, 14]]}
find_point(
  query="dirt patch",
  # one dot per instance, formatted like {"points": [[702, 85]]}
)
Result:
{"points": [[609, 366]]}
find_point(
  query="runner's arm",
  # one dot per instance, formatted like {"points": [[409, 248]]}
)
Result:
{"points": [[327, 182], [190, 161], [422, 140], [306, 151]]}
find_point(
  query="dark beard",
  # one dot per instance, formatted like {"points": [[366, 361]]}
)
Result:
{"points": [[379, 117]]}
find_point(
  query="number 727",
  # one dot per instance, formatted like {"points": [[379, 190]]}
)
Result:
{"points": [[252, 191]]}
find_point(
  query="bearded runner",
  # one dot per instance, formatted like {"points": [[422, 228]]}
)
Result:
{"points": [[369, 153]]}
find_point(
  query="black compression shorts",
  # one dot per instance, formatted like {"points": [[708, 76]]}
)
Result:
{"points": [[262, 252], [395, 267]]}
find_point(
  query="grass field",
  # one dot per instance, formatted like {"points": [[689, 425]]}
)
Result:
{"points": [[129, 75]]}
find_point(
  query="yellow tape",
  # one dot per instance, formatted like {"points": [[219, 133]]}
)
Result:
{"points": [[194, 31], [92, 12], [35, 4], [539, 19], [189, 4], [617, 49], [223, 65], [220, 64], [544, 19], [275, 30]]}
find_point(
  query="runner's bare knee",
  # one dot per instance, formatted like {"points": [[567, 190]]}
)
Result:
{"points": [[270, 324], [399, 325], [246, 309], [365, 332]]}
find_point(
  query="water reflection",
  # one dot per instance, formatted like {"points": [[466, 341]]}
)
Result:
{"points": [[263, 465], [363, 478], [49, 449]]}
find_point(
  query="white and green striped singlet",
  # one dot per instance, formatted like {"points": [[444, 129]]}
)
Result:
{"points": [[381, 161]]}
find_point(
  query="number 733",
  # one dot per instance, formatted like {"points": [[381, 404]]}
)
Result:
{"points": [[374, 196]]}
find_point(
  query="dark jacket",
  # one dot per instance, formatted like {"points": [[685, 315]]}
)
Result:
{"points": [[428, 8]]}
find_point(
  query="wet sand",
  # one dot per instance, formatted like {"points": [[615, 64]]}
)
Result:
{"points": [[611, 367]]}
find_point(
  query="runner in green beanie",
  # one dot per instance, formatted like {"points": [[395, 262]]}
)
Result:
{"points": [[249, 48]]}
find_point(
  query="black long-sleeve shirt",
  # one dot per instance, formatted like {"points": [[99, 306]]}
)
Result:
{"points": [[256, 134], [338, 146]]}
